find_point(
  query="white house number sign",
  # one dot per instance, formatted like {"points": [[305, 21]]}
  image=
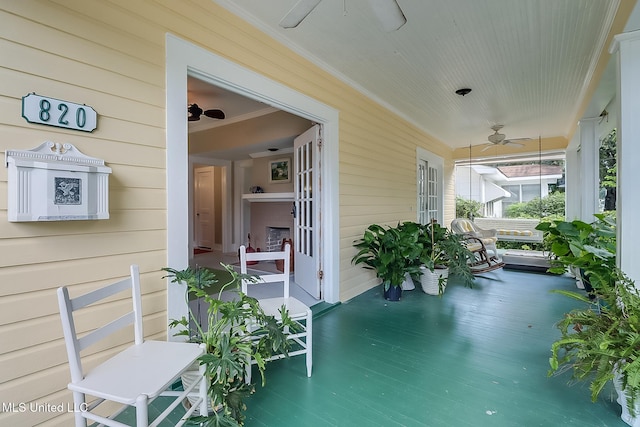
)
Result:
{"points": [[55, 112]]}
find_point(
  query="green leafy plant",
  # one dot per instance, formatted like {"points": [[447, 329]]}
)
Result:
{"points": [[551, 205], [390, 251], [237, 331], [602, 337], [591, 248], [466, 208], [443, 249], [395, 251]]}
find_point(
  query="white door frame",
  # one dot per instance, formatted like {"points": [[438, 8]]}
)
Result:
{"points": [[184, 58]]}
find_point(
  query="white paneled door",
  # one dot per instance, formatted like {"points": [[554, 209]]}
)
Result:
{"points": [[204, 207], [307, 234]]}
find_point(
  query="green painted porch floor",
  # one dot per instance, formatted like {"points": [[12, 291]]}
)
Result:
{"points": [[475, 357]]}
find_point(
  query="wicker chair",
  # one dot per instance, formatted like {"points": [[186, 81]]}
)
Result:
{"points": [[478, 241]]}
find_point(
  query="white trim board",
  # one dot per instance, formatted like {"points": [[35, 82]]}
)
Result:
{"points": [[184, 58]]}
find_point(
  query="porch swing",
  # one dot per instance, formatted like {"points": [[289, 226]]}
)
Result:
{"points": [[530, 260], [496, 229]]}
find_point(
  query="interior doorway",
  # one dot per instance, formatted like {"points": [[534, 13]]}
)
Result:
{"points": [[209, 201], [204, 207]]}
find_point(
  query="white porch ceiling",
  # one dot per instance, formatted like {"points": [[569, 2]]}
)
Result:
{"points": [[529, 63]]}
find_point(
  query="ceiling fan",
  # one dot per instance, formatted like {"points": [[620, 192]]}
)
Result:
{"points": [[195, 112], [497, 138], [388, 13]]}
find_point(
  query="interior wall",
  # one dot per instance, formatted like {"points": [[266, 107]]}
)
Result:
{"points": [[261, 172]]}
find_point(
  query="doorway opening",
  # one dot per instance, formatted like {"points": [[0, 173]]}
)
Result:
{"points": [[275, 157], [183, 59]]}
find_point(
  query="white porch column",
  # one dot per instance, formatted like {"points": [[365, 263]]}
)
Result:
{"points": [[573, 201], [588, 158], [627, 48]]}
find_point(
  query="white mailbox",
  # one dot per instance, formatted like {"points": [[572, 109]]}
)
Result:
{"points": [[56, 182]]}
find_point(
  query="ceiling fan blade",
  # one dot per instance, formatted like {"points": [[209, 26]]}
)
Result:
{"points": [[215, 114], [389, 14], [298, 12], [487, 147], [510, 142]]}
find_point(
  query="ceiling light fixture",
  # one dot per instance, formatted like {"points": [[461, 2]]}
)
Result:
{"points": [[463, 91]]}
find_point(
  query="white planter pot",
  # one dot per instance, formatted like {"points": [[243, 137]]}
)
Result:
{"points": [[188, 378], [430, 280], [408, 285], [632, 419]]}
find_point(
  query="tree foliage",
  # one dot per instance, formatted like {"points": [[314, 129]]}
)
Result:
{"points": [[608, 161], [466, 208]]}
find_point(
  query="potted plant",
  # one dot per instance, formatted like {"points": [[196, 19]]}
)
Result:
{"points": [[390, 251], [412, 249], [588, 250], [443, 253], [601, 342], [235, 331]]}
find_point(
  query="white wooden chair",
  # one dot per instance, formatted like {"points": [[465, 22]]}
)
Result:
{"points": [[298, 311], [133, 377]]}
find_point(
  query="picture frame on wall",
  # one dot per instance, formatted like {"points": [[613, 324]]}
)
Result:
{"points": [[280, 171]]}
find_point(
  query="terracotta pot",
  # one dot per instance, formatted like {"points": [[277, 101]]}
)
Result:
{"points": [[279, 262]]}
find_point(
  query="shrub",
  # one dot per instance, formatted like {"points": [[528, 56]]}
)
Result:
{"points": [[466, 208], [550, 205]]}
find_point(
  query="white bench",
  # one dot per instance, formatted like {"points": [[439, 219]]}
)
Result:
{"points": [[512, 229]]}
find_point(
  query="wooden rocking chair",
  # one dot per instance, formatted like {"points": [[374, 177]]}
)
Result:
{"points": [[480, 262]]}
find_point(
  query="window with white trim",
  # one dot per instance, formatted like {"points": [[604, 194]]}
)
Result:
{"points": [[430, 187]]}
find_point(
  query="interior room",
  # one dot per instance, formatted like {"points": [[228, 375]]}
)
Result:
{"points": [[243, 186]]}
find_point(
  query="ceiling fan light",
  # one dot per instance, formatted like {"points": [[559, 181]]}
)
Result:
{"points": [[389, 14], [298, 12], [194, 112], [496, 138], [464, 91]]}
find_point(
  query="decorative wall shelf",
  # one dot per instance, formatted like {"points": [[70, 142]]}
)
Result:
{"points": [[268, 197]]}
